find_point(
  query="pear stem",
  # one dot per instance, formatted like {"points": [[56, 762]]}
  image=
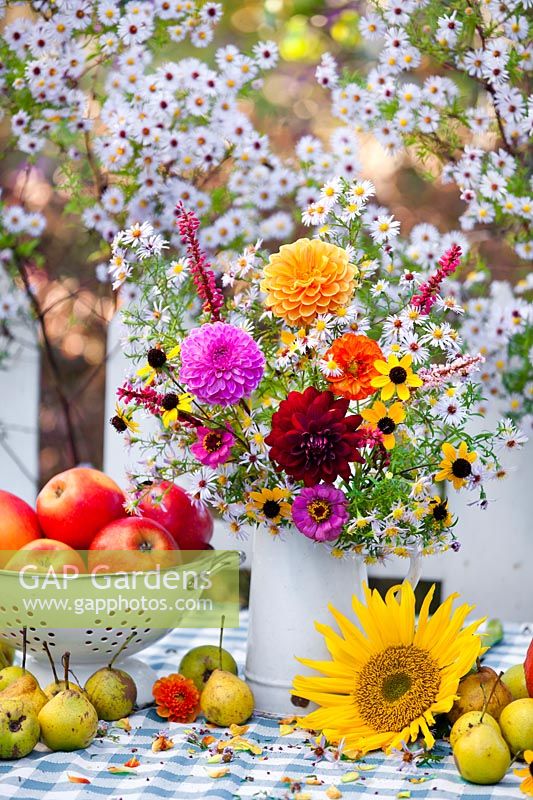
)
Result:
{"points": [[489, 698], [220, 641], [51, 660], [121, 648], [65, 660], [24, 647]]}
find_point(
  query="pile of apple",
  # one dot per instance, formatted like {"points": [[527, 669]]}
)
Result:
{"points": [[492, 721], [83, 509]]}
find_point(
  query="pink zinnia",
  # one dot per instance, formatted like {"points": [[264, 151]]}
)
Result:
{"points": [[221, 364], [320, 512], [213, 446]]}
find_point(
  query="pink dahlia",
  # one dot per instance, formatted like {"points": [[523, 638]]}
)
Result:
{"points": [[221, 364], [320, 512], [213, 446]]}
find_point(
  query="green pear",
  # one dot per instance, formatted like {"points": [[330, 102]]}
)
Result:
{"points": [[7, 654], [516, 722], [199, 663], [68, 721], [27, 690], [481, 755], [515, 680], [9, 675], [226, 699], [19, 729], [480, 689], [469, 721], [59, 686], [13, 673], [112, 691]]}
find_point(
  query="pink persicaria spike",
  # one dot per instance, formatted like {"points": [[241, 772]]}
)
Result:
{"points": [[145, 396], [202, 274], [426, 297]]}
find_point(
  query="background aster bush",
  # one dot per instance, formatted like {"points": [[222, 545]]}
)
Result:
{"points": [[133, 124], [358, 470]]}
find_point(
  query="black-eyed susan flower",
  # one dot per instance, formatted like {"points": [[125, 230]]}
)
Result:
{"points": [[396, 377], [156, 359], [456, 465], [527, 774], [385, 420], [172, 404], [438, 510], [271, 504], [389, 676], [123, 421]]}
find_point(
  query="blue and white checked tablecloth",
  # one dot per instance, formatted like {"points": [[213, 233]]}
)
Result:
{"points": [[182, 772]]}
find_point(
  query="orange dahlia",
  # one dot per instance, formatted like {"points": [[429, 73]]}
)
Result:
{"points": [[177, 698], [308, 278], [353, 356]]}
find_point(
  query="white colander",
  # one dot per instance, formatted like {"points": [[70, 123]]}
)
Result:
{"points": [[93, 647]]}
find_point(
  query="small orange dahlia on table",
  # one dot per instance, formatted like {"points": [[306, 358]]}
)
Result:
{"points": [[177, 698], [308, 278]]}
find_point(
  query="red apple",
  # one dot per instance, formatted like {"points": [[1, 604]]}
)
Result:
{"points": [[76, 504], [190, 524], [46, 553], [18, 522], [528, 669], [133, 543]]}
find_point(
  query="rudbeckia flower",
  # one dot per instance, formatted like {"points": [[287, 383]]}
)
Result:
{"points": [[456, 465], [437, 508], [174, 403], [385, 420], [156, 359], [123, 421], [396, 377], [271, 504], [388, 675]]}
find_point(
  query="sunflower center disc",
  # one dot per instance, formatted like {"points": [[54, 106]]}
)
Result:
{"points": [[396, 686]]}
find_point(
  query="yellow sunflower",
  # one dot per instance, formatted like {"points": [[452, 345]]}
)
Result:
{"points": [[271, 504], [527, 773], [385, 420], [386, 682], [396, 377], [456, 465]]}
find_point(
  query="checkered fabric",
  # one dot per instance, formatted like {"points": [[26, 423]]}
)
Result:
{"points": [[182, 772]]}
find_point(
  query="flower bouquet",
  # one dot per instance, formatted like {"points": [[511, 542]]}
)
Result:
{"points": [[320, 393]]}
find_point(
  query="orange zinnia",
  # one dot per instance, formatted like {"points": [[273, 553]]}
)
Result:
{"points": [[354, 355], [308, 278], [177, 698]]}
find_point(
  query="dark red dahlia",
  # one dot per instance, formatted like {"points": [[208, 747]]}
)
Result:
{"points": [[312, 439]]}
